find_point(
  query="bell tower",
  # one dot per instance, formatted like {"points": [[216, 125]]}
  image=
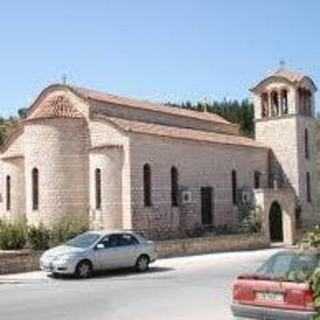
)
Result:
{"points": [[284, 108]]}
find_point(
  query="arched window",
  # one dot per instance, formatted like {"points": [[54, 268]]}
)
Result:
{"points": [[274, 103], [234, 186], [8, 193], [174, 187], [147, 192], [35, 188], [306, 143], [309, 103], [308, 186], [257, 175], [264, 105], [284, 101], [98, 188], [301, 101], [305, 101]]}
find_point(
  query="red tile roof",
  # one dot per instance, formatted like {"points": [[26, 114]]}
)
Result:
{"points": [[181, 133], [142, 104], [56, 107], [284, 73]]}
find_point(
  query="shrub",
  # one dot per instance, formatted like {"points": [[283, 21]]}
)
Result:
{"points": [[311, 240], [250, 219], [13, 235], [315, 286], [39, 237], [68, 227], [196, 232]]}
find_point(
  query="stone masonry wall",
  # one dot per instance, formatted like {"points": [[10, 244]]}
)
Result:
{"points": [[286, 138], [19, 261], [184, 247], [199, 165], [58, 148], [104, 134]]}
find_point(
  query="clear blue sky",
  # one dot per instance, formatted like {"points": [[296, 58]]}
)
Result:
{"points": [[159, 50]]}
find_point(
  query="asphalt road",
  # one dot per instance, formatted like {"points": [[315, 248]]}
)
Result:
{"points": [[197, 287]]}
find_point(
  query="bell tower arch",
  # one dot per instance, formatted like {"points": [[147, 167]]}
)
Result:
{"points": [[284, 108]]}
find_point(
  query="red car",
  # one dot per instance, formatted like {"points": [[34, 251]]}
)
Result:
{"points": [[279, 290]]}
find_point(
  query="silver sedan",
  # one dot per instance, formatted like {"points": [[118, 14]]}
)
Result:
{"points": [[99, 250]]}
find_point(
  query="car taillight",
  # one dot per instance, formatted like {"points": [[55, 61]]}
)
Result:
{"points": [[242, 293], [236, 292], [308, 299], [302, 298]]}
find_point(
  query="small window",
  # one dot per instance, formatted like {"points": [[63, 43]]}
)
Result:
{"points": [[234, 186], [8, 193], [257, 175], [284, 101], [98, 188], [306, 143], [309, 104], [308, 186], [147, 187], [264, 105], [35, 189], [274, 103], [174, 187]]}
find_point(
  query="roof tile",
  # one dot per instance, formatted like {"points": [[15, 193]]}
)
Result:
{"points": [[56, 107], [182, 133], [142, 104]]}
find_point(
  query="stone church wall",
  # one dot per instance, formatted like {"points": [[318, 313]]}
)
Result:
{"points": [[199, 165], [104, 134], [58, 148], [15, 169], [12, 164]]}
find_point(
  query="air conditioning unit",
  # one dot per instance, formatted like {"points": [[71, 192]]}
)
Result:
{"points": [[186, 196]]}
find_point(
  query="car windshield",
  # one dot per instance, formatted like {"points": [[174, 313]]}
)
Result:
{"points": [[84, 240], [290, 266]]}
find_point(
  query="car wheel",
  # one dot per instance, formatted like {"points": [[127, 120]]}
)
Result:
{"points": [[142, 263], [84, 269], [55, 275]]}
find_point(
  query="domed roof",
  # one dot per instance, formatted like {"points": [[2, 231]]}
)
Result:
{"points": [[291, 76], [58, 106]]}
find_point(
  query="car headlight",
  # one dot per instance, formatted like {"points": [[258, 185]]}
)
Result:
{"points": [[64, 258]]}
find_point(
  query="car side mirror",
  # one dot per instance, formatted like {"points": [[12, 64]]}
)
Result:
{"points": [[100, 246]]}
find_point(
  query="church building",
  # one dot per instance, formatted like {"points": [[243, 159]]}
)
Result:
{"points": [[130, 164]]}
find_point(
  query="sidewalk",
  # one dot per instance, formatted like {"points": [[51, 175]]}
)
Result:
{"points": [[176, 264], [23, 277]]}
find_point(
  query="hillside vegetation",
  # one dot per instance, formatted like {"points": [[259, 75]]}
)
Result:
{"points": [[240, 112]]}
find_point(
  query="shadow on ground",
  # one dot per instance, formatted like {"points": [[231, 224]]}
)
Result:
{"points": [[122, 273]]}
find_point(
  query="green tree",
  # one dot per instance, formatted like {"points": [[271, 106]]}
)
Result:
{"points": [[232, 110], [22, 113], [7, 125]]}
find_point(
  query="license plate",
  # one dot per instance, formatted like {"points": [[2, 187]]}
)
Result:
{"points": [[270, 296]]}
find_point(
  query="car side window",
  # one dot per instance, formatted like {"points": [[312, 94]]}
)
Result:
{"points": [[127, 240], [106, 242], [114, 241]]}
